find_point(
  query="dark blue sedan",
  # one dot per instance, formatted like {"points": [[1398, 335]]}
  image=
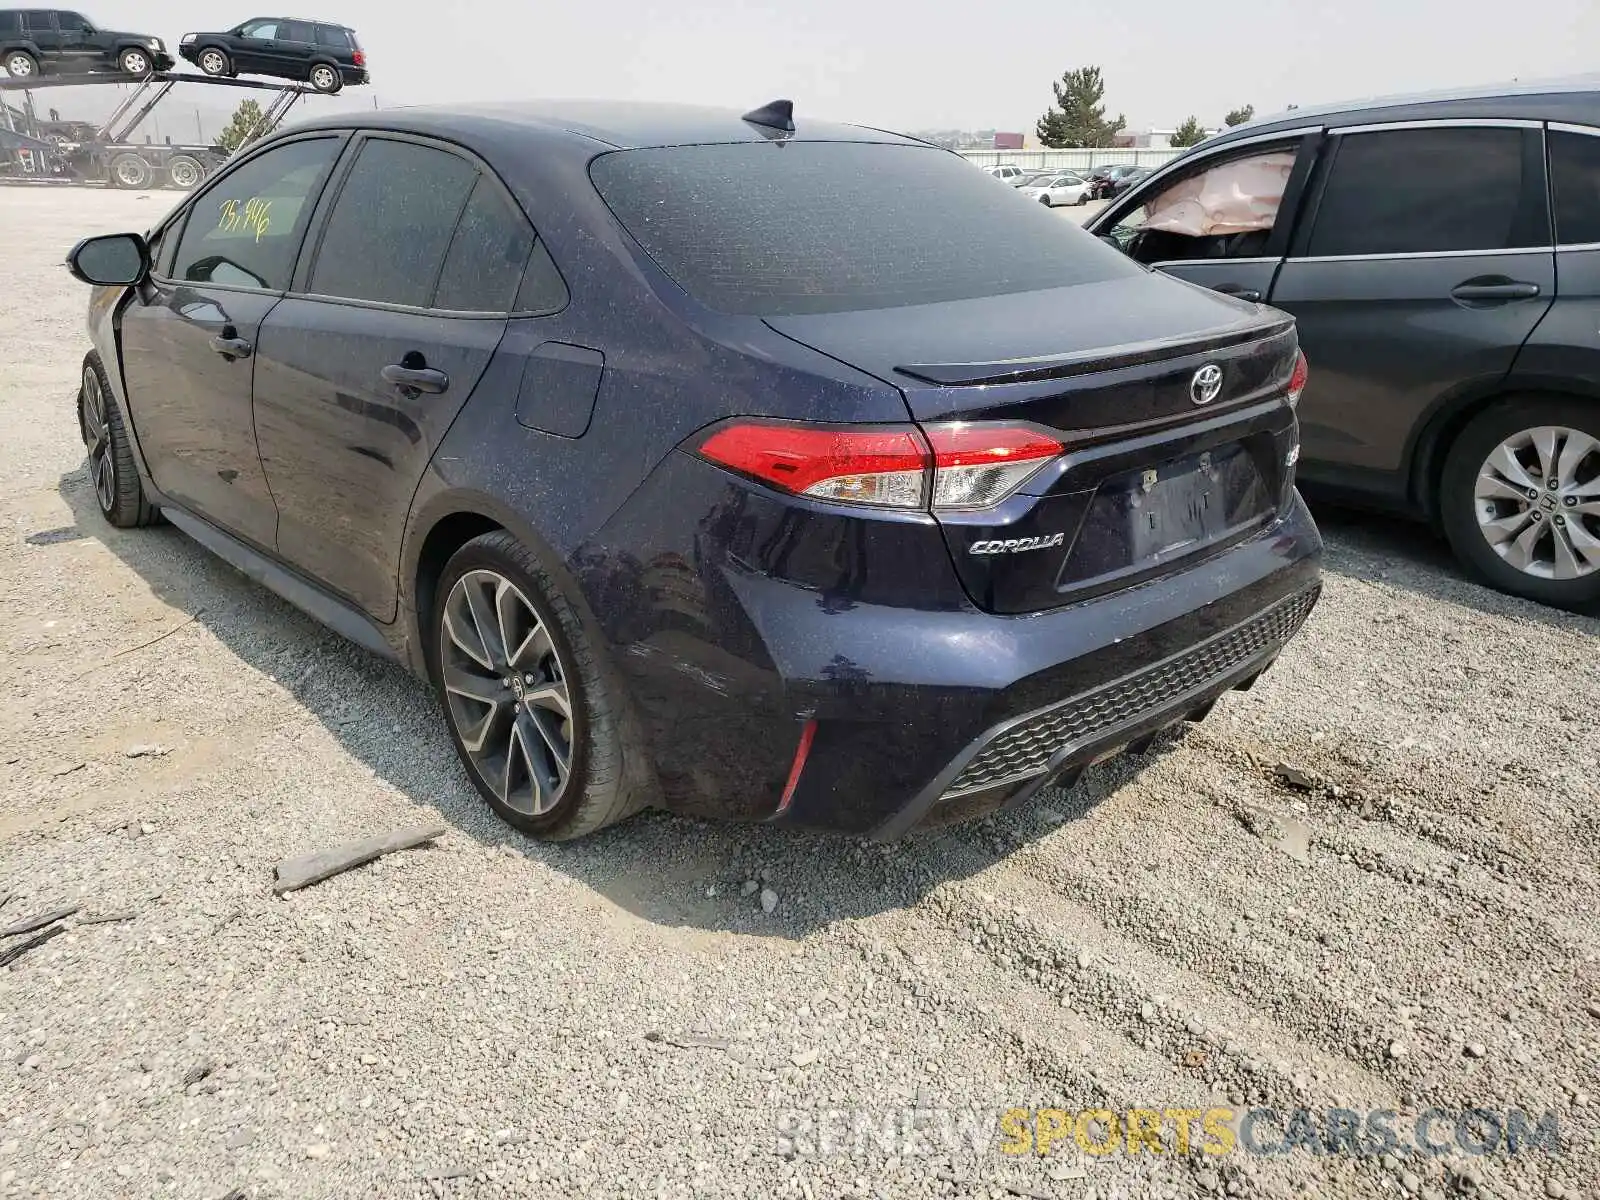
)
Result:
{"points": [[696, 468]]}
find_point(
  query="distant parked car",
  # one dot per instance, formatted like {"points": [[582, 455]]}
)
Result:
{"points": [[1127, 179], [1441, 258], [1105, 178], [325, 55], [54, 41], [1061, 188], [1008, 172]]}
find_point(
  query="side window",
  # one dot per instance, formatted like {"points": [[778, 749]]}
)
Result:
{"points": [[265, 31], [329, 36], [389, 230], [1575, 178], [39, 20], [487, 257], [1227, 209], [294, 31], [1421, 191], [10, 22], [246, 230]]}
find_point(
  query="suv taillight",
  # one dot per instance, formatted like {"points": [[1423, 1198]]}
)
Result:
{"points": [[359, 57], [955, 466], [1297, 380]]}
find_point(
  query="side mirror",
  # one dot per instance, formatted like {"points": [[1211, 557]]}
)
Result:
{"points": [[111, 260]]}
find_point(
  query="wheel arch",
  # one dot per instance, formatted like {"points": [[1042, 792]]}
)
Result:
{"points": [[1431, 447], [441, 525]]}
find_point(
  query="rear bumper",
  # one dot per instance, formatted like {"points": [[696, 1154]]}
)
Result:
{"points": [[1008, 763], [735, 631], [354, 76]]}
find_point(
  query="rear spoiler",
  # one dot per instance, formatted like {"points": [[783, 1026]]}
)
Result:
{"points": [[1027, 370]]}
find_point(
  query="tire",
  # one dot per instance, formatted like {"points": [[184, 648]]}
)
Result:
{"points": [[1045, 200], [112, 471], [1487, 511], [214, 62], [185, 172], [22, 65], [325, 79], [598, 788], [131, 171], [134, 61]]}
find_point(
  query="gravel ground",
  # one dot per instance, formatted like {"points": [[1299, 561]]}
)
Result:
{"points": [[1416, 929]]}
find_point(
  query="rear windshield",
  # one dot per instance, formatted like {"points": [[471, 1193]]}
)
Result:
{"points": [[785, 229]]}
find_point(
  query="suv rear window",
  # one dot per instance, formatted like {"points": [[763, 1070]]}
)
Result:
{"points": [[784, 229]]}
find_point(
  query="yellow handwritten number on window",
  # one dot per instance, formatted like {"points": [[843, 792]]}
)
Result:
{"points": [[254, 217]]}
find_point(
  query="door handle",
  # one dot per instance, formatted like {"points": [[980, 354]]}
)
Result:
{"points": [[1244, 293], [1511, 289], [230, 345], [413, 379]]}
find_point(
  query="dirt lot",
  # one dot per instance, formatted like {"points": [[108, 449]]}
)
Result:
{"points": [[1417, 930]]}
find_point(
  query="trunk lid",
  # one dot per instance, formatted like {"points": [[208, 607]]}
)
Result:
{"points": [[1156, 470]]}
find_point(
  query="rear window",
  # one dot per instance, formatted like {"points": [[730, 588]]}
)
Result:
{"points": [[784, 229]]}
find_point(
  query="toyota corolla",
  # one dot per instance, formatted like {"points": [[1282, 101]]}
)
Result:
{"points": [[694, 469]]}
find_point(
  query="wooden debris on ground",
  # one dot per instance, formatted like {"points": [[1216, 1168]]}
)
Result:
{"points": [[307, 869]]}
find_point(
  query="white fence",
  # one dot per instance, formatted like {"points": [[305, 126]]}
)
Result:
{"points": [[1069, 160]]}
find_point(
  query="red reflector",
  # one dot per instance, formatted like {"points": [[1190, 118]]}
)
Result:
{"points": [[796, 458], [963, 445], [1302, 372], [801, 753]]}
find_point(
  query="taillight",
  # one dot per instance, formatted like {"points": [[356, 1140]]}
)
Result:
{"points": [[359, 58], [1297, 380], [977, 465], [962, 465]]}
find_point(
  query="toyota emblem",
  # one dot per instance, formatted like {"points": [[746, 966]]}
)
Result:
{"points": [[1206, 385]]}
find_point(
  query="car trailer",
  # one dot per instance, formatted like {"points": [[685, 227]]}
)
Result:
{"points": [[109, 156]]}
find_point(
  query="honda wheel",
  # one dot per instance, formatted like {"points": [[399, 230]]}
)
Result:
{"points": [[534, 722], [325, 79], [214, 62], [1520, 499]]}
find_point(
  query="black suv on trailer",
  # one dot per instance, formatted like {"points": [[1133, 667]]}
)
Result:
{"points": [[41, 41], [1441, 257], [325, 55]]}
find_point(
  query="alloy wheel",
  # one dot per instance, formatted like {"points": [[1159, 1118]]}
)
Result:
{"points": [[19, 66], [323, 79], [506, 690], [1537, 500], [135, 63], [212, 63], [97, 438]]}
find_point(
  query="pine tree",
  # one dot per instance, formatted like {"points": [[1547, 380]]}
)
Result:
{"points": [[1189, 133], [1078, 117], [1239, 116], [243, 128]]}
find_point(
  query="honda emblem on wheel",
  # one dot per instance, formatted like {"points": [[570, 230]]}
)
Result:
{"points": [[1206, 385]]}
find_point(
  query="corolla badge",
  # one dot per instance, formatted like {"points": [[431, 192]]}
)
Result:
{"points": [[1206, 385], [1017, 545]]}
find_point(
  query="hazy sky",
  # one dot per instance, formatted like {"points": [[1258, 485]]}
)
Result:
{"points": [[932, 65]]}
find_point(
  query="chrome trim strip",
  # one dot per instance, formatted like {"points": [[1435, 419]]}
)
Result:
{"points": [[1442, 123], [1405, 254], [1578, 246], [1564, 127], [1221, 262]]}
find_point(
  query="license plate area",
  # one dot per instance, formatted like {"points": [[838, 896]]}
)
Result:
{"points": [[1146, 518]]}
